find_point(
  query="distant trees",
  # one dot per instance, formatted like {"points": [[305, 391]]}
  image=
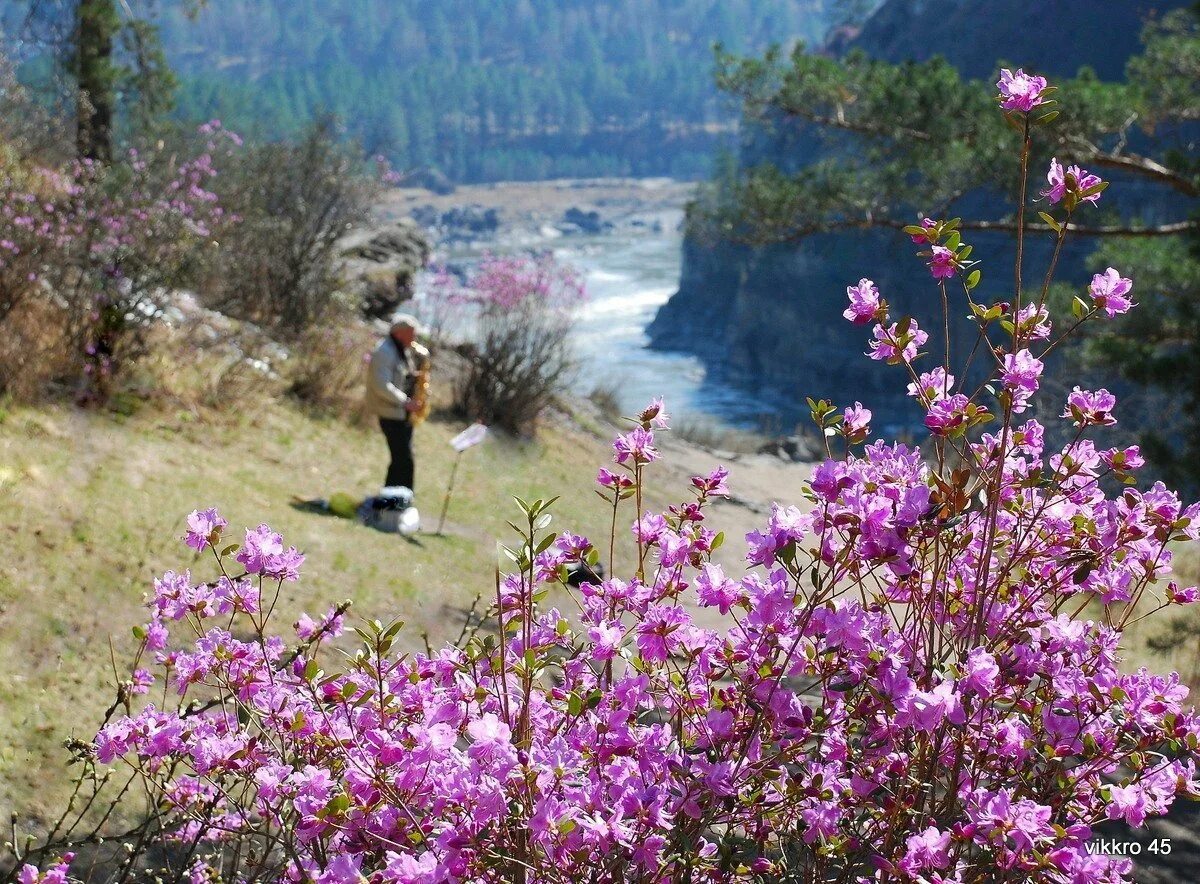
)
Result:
{"points": [[479, 89], [108, 61]]}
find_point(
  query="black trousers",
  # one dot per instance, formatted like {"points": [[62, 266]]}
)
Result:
{"points": [[399, 439]]}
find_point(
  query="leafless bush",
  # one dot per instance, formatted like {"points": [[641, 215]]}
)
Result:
{"points": [[513, 318], [295, 201], [326, 366], [520, 362]]}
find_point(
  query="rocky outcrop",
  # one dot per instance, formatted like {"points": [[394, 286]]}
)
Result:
{"points": [[577, 220], [379, 265], [771, 318], [459, 222]]}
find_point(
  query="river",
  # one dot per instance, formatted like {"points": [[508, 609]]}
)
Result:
{"points": [[629, 273]]}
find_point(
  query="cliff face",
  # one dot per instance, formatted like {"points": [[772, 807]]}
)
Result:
{"points": [[770, 318], [1056, 37]]}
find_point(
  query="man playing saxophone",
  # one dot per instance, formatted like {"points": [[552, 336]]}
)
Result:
{"points": [[397, 393]]}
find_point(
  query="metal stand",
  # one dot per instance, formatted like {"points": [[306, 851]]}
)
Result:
{"points": [[449, 491]]}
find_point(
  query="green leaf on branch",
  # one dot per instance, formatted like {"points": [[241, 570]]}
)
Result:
{"points": [[973, 279], [1050, 222]]}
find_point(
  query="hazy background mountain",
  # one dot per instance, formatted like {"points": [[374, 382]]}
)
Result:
{"points": [[480, 89]]}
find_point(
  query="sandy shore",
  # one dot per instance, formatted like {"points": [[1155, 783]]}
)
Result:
{"points": [[534, 204]]}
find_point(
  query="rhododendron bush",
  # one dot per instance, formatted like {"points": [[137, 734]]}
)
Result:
{"points": [[917, 678], [89, 253], [513, 319]]}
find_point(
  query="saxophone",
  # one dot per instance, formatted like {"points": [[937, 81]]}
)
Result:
{"points": [[420, 393]]}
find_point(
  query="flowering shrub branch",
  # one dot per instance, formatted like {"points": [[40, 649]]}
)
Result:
{"points": [[903, 686], [98, 247]]}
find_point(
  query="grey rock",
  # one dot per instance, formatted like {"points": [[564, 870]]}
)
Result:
{"points": [[379, 265]]}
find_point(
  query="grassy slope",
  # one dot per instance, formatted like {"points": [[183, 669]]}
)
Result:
{"points": [[93, 508]]}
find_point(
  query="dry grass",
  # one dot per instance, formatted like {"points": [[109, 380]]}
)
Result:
{"points": [[716, 437]]}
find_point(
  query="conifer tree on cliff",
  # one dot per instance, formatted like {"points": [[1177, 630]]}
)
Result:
{"points": [[110, 59], [910, 139]]}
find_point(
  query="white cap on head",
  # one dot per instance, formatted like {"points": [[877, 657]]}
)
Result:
{"points": [[406, 320]]}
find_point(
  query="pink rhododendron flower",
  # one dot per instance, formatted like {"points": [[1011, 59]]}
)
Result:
{"points": [[1020, 91], [944, 263], [927, 223], [927, 850], [1020, 378], [1091, 409], [715, 590], [203, 527], [609, 479], [864, 302], [655, 413], [659, 631], [1033, 323], [1072, 180], [1110, 292], [890, 344], [856, 422], [932, 385], [649, 527], [635, 447], [714, 484], [947, 415]]}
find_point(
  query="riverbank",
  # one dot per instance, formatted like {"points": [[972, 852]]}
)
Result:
{"points": [[515, 211], [625, 238]]}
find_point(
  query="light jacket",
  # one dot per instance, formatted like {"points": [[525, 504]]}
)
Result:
{"points": [[390, 378]]}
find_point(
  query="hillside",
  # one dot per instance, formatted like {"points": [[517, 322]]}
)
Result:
{"points": [[483, 90], [102, 501]]}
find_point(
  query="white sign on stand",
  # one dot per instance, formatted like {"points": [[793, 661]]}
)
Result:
{"points": [[472, 435], [468, 438]]}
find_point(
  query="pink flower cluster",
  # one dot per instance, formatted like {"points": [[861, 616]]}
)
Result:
{"points": [[105, 251], [632, 738], [510, 281]]}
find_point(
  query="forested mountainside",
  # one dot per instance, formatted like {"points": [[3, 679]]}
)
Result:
{"points": [[482, 89]]}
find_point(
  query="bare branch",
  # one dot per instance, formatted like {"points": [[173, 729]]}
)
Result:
{"points": [[1118, 230]]}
